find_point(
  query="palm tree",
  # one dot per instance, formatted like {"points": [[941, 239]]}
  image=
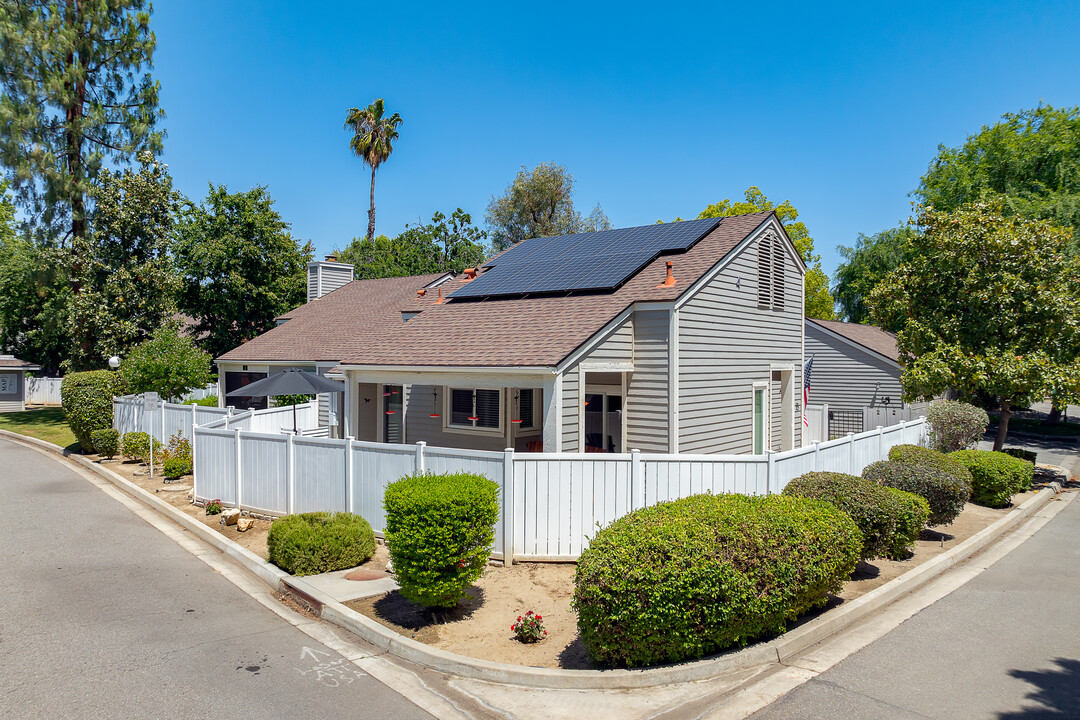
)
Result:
{"points": [[372, 141]]}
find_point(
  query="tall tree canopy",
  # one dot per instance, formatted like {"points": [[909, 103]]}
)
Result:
{"points": [[866, 265], [239, 266], [819, 302], [1029, 163], [373, 142], [991, 306], [76, 90], [126, 285], [539, 203], [443, 245]]}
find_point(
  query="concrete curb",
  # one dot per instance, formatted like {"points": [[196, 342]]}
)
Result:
{"points": [[782, 648]]}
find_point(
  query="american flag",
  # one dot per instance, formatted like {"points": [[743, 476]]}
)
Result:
{"points": [[807, 371]]}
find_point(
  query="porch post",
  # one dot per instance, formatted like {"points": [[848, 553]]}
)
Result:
{"points": [[552, 413], [508, 507], [346, 406]]}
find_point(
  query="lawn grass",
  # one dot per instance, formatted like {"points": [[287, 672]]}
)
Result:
{"points": [[1038, 427], [45, 423]]}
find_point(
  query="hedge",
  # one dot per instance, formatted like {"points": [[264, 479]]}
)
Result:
{"points": [[945, 492], [914, 453], [874, 510], [681, 579], [997, 476], [209, 401], [135, 446], [439, 531], [914, 510], [318, 542], [106, 442], [1022, 453], [955, 425], [87, 401]]}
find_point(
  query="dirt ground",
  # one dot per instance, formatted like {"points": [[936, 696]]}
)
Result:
{"points": [[480, 626], [178, 495]]}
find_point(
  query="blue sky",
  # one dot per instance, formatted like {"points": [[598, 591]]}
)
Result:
{"points": [[656, 109]]}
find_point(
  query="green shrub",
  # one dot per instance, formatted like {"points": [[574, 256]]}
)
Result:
{"points": [[87, 401], [204, 402], [1021, 453], [955, 425], [318, 542], [929, 456], [693, 576], [439, 531], [914, 510], [872, 508], [169, 363], [945, 492], [106, 442], [135, 446], [177, 459], [997, 476]]}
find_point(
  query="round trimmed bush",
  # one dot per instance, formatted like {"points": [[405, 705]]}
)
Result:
{"points": [[87, 401], [929, 456], [997, 476], [955, 425], [318, 542], [439, 531], [874, 510], [914, 510], [944, 491], [106, 442], [135, 446], [693, 576], [1022, 453]]}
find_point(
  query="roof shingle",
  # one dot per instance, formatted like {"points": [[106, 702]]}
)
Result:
{"points": [[873, 338]]}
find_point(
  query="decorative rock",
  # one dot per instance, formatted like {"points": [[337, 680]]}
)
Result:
{"points": [[244, 524], [230, 516], [362, 575]]}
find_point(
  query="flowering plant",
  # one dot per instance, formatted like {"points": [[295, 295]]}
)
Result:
{"points": [[213, 507], [529, 628]]}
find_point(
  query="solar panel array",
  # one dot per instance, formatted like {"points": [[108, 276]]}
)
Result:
{"points": [[602, 260]]}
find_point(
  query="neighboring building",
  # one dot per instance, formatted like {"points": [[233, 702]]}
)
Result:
{"points": [[855, 367], [671, 338], [13, 383]]}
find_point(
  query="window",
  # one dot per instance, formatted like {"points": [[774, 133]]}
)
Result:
{"points": [[525, 408], [771, 271], [475, 408], [760, 426]]}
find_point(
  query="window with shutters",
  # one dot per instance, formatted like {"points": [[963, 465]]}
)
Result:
{"points": [[474, 409], [771, 270]]}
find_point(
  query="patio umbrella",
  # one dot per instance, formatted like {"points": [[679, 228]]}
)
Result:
{"points": [[290, 382]]}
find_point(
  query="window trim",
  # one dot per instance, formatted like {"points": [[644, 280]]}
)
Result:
{"points": [[449, 426]]}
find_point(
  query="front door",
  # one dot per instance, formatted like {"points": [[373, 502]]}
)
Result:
{"points": [[393, 405], [603, 423]]}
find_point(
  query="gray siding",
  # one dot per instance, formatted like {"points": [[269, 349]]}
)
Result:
{"points": [[846, 377], [570, 406], [419, 425], [14, 402], [647, 389], [331, 275], [726, 344], [616, 347]]}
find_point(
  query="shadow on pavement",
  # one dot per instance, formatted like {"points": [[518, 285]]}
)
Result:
{"points": [[1057, 692]]}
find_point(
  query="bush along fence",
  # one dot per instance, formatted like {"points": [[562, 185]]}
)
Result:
{"points": [[550, 504], [163, 420]]}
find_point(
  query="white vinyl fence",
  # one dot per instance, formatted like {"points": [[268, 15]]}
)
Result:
{"points": [[168, 419], [551, 502], [43, 390]]}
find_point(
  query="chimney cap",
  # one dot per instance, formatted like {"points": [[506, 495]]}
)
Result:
{"points": [[332, 257]]}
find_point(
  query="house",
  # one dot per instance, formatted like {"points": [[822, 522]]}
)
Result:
{"points": [[13, 383], [681, 337], [856, 368]]}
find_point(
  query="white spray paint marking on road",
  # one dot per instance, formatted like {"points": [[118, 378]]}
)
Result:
{"points": [[331, 673]]}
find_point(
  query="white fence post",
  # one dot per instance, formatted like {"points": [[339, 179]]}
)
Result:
{"points": [[348, 473], [290, 474], [508, 507], [851, 453], [817, 455], [637, 481], [881, 442], [420, 457], [770, 471], [239, 470]]}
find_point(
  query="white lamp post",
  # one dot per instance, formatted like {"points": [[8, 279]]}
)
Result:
{"points": [[114, 362]]}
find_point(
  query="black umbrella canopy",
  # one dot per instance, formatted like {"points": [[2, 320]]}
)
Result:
{"points": [[290, 382]]}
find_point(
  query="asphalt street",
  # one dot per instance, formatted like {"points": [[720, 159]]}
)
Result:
{"points": [[103, 616]]}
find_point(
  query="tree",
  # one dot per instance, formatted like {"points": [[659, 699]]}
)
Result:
{"points": [[819, 303], [35, 296], [443, 245], [373, 142], [169, 364], [539, 203], [991, 306], [76, 90], [239, 266], [1029, 163], [866, 265], [127, 281]]}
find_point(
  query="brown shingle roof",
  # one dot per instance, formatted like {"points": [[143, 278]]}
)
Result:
{"points": [[880, 341], [499, 332], [10, 361]]}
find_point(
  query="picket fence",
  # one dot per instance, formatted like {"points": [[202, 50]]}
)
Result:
{"points": [[551, 503], [168, 419], [43, 390]]}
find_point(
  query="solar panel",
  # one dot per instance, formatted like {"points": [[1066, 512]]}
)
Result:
{"points": [[601, 260]]}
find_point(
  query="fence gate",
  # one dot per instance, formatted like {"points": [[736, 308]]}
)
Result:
{"points": [[842, 422]]}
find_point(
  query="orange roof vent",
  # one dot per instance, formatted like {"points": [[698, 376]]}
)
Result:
{"points": [[470, 274], [439, 301], [421, 293], [670, 279]]}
